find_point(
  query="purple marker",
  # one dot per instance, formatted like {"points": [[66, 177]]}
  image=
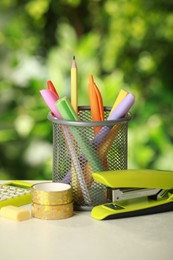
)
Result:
{"points": [[121, 109]]}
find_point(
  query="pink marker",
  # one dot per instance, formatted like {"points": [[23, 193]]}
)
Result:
{"points": [[50, 98]]}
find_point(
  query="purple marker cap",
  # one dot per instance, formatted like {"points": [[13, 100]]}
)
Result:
{"points": [[122, 108], [50, 98], [116, 114]]}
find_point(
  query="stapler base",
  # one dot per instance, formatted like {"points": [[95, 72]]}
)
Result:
{"points": [[131, 208]]}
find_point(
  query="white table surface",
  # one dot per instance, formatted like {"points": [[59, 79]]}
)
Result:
{"points": [[82, 237]]}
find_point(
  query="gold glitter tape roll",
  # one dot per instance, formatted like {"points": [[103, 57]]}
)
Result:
{"points": [[52, 212], [51, 193]]}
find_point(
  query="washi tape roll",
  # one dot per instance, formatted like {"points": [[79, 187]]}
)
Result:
{"points": [[51, 193], [46, 212]]}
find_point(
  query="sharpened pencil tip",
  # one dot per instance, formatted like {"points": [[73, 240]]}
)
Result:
{"points": [[74, 65]]}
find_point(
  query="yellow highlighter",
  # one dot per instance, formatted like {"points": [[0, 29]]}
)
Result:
{"points": [[74, 86], [122, 94]]}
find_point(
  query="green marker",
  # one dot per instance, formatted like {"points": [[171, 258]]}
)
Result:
{"points": [[65, 109]]}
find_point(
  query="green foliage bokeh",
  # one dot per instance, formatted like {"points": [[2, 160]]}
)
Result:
{"points": [[124, 44]]}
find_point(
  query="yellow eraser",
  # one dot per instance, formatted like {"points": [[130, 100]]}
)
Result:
{"points": [[15, 213]]}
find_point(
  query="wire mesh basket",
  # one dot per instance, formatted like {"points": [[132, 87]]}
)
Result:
{"points": [[85, 146]]}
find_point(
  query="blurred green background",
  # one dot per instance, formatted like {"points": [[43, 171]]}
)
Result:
{"points": [[124, 44]]}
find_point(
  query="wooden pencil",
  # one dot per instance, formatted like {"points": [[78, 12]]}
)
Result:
{"points": [[74, 85]]}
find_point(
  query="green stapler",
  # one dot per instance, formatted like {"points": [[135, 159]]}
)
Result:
{"points": [[134, 193]]}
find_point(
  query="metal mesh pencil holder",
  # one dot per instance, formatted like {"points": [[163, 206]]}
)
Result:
{"points": [[83, 147]]}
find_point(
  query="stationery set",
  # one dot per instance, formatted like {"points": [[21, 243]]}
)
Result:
{"points": [[89, 169]]}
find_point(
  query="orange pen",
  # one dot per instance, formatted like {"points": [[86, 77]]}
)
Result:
{"points": [[96, 103]]}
